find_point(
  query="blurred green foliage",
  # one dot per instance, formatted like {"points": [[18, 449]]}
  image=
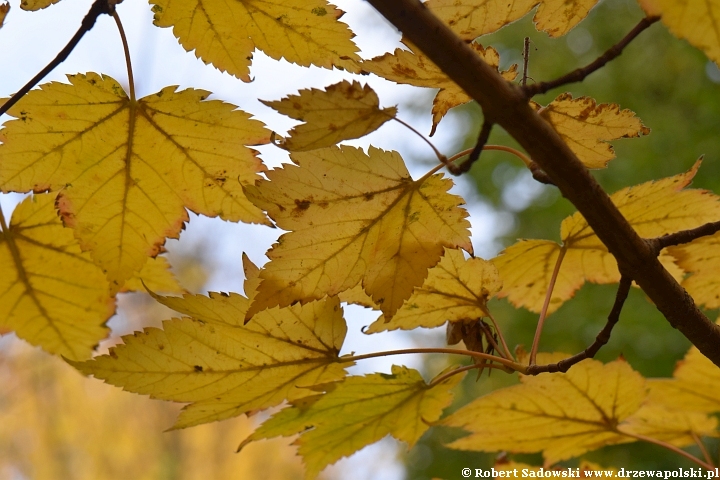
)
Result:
{"points": [[676, 92]]}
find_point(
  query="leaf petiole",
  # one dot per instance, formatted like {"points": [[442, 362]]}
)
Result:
{"points": [[126, 49], [543, 312], [670, 447], [439, 155], [511, 365], [441, 378]]}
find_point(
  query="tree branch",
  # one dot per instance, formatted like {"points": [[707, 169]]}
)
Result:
{"points": [[507, 105], [580, 74], [684, 236], [479, 146], [98, 8], [602, 337]]}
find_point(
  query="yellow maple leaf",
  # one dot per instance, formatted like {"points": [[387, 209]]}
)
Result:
{"points": [[455, 289], [563, 415], [34, 5], [154, 276], [51, 294], [701, 258], [414, 68], [342, 111], [587, 127], [354, 217], [222, 367], [675, 425], [472, 18], [360, 411], [126, 170], [305, 32], [695, 385], [653, 209], [697, 21]]}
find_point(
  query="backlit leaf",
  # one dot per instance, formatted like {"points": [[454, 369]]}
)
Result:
{"points": [[51, 294], [695, 385], [306, 32], [672, 425], [354, 217], [225, 368], [154, 276], [34, 5], [587, 127], [340, 112], [472, 18], [653, 209], [701, 258], [697, 21], [414, 68], [126, 170], [358, 412], [455, 289], [563, 415]]}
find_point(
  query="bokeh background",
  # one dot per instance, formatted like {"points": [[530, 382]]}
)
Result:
{"points": [[56, 424]]}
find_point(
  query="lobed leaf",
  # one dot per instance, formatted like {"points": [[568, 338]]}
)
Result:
{"points": [[653, 209], [473, 18], [222, 367], [697, 21], [675, 425], [51, 294], [701, 258], [342, 111], [305, 32], [358, 412], [587, 127], [125, 170], [563, 415], [156, 277], [414, 68], [354, 217], [456, 289]]}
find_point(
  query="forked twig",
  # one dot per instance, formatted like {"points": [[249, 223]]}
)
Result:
{"points": [[98, 8], [579, 74], [602, 338], [475, 153]]}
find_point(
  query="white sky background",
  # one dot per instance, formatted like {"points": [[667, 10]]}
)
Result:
{"points": [[29, 40]]}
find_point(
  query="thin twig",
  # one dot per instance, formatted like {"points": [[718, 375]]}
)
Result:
{"points": [[668, 446], [98, 8], [439, 155], [511, 365], [508, 354], [702, 448], [543, 312], [126, 49], [449, 374], [526, 53], [475, 153], [602, 338], [685, 236], [580, 74]]}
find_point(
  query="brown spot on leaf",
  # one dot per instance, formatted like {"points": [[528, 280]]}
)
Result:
{"points": [[198, 368]]}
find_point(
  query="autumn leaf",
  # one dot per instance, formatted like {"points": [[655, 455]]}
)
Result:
{"points": [[456, 289], [696, 21], [34, 5], [472, 18], [653, 209], [4, 9], [342, 111], [675, 426], [222, 367], [587, 127], [358, 412], [51, 294], [563, 415], [154, 276], [695, 385], [414, 68], [305, 32], [354, 217], [701, 258], [126, 170]]}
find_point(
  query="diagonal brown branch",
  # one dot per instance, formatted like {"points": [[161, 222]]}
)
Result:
{"points": [[506, 104]]}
